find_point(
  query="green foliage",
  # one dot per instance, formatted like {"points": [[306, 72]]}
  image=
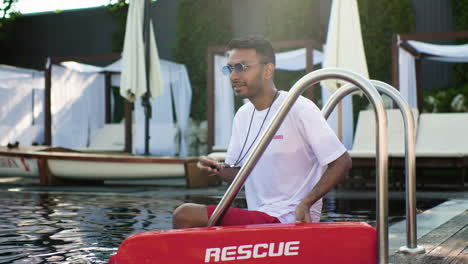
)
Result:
{"points": [[460, 23], [380, 20], [118, 11], [205, 23], [460, 14], [200, 24], [296, 20], [6, 24], [211, 26], [446, 99], [8, 18], [6, 7], [454, 97]]}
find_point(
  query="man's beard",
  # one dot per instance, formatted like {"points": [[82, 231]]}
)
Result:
{"points": [[252, 90]]}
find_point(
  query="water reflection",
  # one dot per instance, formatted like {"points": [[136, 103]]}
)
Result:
{"points": [[73, 228], [88, 227]]}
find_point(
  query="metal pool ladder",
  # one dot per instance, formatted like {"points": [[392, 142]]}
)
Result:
{"points": [[410, 157], [381, 139]]}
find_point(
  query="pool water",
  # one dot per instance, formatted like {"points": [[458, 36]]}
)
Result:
{"points": [[87, 225]]}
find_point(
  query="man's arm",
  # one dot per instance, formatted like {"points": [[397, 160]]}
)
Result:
{"points": [[214, 168], [209, 165], [336, 170]]}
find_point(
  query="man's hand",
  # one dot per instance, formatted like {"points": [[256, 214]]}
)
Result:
{"points": [[302, 213], [335, 172], [209, 165]]}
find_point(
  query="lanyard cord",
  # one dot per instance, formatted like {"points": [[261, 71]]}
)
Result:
{"points": [[239, 159]]}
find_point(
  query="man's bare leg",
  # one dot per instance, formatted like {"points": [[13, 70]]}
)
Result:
{"points": [[190, 215]]}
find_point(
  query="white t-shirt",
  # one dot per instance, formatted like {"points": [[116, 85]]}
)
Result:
{"points": [[294, 161]]}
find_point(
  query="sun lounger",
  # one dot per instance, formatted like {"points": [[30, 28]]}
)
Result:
{"points": [[442, 135], [364, 140], [363, 152], [442, 143], [111, 138]]}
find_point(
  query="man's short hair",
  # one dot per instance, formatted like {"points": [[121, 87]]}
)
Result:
{"points": [[259, 43]]}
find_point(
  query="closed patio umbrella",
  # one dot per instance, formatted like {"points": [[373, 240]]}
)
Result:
{"points": [[344, 47], [141, 75]]}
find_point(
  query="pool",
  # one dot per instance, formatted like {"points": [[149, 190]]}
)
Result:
{"points": [[87, 224]]}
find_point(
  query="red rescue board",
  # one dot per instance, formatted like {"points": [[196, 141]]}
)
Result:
{"points": [[346, 242]]}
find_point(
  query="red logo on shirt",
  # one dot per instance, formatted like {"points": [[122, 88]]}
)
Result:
{"points": [[278, 137]]}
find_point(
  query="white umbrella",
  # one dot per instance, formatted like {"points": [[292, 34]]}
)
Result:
{"points": [[344, 47], [133, 78], [136, 53]]}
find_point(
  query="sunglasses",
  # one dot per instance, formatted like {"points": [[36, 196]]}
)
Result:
{"points": [[238, 68]]}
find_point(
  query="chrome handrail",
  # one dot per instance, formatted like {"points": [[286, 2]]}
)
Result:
{"points": [[381, 160], [410, 157]]}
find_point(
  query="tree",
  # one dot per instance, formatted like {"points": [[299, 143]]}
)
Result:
{"points": [[7, 17], [5, 7]]}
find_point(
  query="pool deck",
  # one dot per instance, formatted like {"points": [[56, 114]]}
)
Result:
{"points": [[447, 243], [442, 231]]}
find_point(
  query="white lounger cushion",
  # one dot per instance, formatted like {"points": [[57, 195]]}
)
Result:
{"points": [[364, 139], [442, 135], [110, 138], [162, 139]]}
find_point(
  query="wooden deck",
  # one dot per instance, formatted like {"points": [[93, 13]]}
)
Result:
{"points": [[448, 243]]}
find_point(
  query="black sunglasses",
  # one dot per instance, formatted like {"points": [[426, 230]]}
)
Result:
{"points": [[238, 68]]}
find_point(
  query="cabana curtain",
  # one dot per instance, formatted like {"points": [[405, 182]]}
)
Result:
{"points": [[407, 72], [449, 53], [182, 93], [21, 105], [408, 78], [76, 106], [224, 105], [177, 87]]}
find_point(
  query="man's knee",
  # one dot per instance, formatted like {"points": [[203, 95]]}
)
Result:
{"points": [[190, 215]]}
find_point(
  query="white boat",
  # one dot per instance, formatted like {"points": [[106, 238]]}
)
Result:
{"points": [[59, 166]]}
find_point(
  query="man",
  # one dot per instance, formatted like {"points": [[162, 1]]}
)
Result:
{"points": [[302, 163]]}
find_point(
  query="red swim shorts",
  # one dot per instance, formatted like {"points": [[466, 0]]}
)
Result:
{"points": [[236, 216]]}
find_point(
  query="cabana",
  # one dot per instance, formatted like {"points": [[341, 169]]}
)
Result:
{"points": [[90, 106], [440, 140], [177, 96], [408, 52]]}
